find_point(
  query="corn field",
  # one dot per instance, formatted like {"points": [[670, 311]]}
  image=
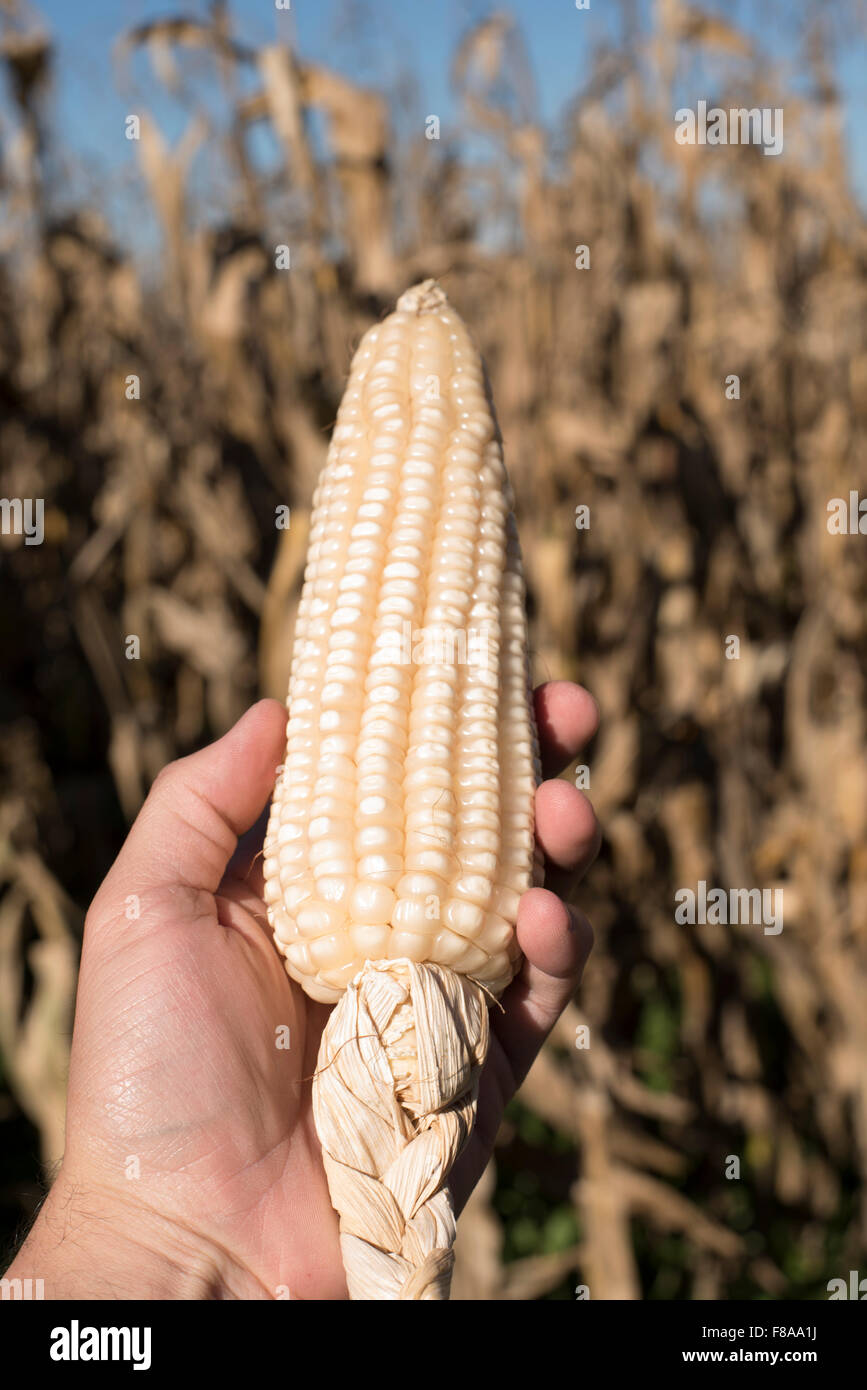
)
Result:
{"points": [[679, 558]]}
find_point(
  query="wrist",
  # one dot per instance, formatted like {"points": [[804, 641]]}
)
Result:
{"points": [[89, 1243]]}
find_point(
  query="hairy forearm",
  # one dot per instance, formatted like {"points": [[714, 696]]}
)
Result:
{"points": [[87, 1244]]}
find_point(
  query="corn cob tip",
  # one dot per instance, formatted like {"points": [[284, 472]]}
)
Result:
{"points": [[424, 298]]}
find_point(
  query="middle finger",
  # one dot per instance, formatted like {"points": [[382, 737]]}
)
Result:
{"points": [[567, 831]]}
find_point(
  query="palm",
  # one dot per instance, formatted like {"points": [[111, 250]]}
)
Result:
{"points": [[188, 1082]]}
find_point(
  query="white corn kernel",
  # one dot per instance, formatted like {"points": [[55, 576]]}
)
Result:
{"points": [[402, 821]]}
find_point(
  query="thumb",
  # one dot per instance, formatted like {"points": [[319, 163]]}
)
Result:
{"points": [[187, 829]]}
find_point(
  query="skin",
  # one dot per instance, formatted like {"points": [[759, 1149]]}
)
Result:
{"points": [[192, 1167]]}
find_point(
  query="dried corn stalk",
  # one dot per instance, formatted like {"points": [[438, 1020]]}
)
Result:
{"points": [[401, 832]]}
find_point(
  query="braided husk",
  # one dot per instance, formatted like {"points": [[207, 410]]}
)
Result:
{"points": [[394, 1099]]}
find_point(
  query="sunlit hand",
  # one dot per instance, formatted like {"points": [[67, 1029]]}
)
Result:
{"points": [[192, 1167]]}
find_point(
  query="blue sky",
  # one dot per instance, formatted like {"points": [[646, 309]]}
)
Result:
{"points": [[378, 42]]}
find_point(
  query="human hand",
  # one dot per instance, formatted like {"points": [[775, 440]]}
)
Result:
{"points": [[192, 1167]]}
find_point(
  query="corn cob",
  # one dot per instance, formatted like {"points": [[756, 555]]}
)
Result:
{"points": [[401, 831]]}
